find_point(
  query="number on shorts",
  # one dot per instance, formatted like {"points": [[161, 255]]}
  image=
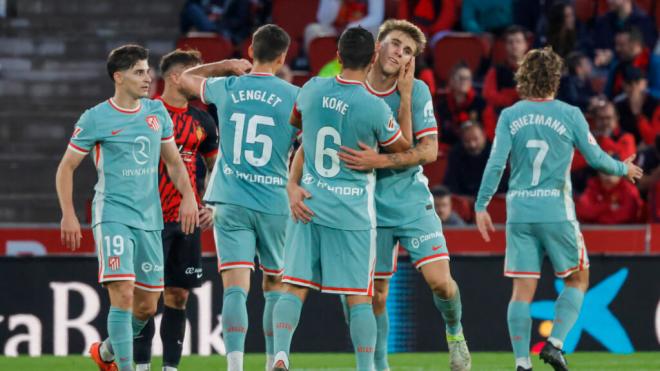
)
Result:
{"points": [[543, 147], [322, 152], [117, 246]]}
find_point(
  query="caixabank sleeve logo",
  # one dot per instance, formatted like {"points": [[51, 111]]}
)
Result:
{"points": [[596, 319]]}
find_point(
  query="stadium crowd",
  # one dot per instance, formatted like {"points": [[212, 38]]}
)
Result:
{"points": [[612, 72]]}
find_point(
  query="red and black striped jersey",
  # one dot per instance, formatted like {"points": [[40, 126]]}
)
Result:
{"points": [[195, 131]]}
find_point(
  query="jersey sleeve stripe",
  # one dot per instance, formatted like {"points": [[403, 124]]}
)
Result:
{"points": [[80, 150], [394, 138], [202, 90], [425, 132], [168, 139], [211, 153]]}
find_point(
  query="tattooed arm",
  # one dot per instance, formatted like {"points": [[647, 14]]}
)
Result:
{"points": [[426, 151]]}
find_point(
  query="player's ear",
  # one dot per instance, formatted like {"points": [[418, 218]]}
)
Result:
{"points": [[118, 76], [339, 58], [250, 52], [282, 59]]}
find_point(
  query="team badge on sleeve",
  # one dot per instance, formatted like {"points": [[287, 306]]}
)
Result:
{"points": [[152, 122], [591, 139], [391, 126], [114, 263]]}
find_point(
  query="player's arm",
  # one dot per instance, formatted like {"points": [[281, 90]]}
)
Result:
{"points": [[426, 151], [405, 87], [70, 226], [597, 158], [297, 194], [296, 118], [492, 175], [188, 214], [192, 79]]}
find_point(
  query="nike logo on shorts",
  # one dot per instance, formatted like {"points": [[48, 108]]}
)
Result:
{"points": [[115, 132]]}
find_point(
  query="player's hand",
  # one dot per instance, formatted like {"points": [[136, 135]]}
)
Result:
{"points": [[484, 224], [70, 232], [188, 214], [205, 218], [237, 66], [364, 160], [297, 196], [406, 78], [634, 172]]}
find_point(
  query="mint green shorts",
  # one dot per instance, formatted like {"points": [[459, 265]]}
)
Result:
{"points": [[527, 243], [422, 238], [331, 260], [129, 254], [241, 234]]}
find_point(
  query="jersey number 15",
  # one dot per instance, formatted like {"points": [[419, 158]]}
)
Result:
{"points": [[252, 138]]}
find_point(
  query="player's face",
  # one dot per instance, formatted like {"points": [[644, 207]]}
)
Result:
{"points": [[516, 45], [442, 207], [174, 77], [606, 120], [396, 50], [135, 81]]}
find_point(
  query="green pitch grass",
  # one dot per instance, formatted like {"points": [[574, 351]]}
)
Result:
{"points": [[344, 362]]}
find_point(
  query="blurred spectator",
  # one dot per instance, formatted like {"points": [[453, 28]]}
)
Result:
{"points": [[649, 161], [479, 16], [425, 73], [609, 135], [333, 16], [467, 162], [564, 32], [443, 207], [609, 199], [229, 18], [654, 71], [639, 113], [285, 73], [575, 88], [531, 14], [623, 14], [630, 51], [461, 103], [431, 16]]}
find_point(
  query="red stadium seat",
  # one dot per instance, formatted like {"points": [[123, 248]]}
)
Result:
{"points": [[435, 171], [321, 51], [213, 49], [455, 48], [646, 6], [497, 209], [463, 206], [294, 15], [300, 78]]}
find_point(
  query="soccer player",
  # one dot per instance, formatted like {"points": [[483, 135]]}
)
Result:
{"points": [[408, 221], [194, 131], [333, 248], [127, 135], [538, 134], [248, 185]]}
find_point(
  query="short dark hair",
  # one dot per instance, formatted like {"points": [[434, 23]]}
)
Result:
{"points": [[179, 57], [573, 61], [514, 29], [356, 48], [125, 57], [269, 42], [634, 33], [441, 191]]}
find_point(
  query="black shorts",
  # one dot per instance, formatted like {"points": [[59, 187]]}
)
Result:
{"points": [[183, 257]]}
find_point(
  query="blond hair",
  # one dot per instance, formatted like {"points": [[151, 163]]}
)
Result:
{"points": [[406, 27], [539, 73]]}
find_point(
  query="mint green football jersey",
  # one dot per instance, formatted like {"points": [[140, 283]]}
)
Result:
{"points": [[402, 195], [337, 112], [538, 137], [125, 147], [256, 140]]}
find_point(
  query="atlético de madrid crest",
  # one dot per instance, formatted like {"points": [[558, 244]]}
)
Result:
{"points": [[152, 122]]}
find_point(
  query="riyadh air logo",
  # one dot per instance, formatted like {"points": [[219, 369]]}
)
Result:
{"points": [[428, 112], [152, 122], [595, 318], [227, 170], [141, 150], [307, 179]]}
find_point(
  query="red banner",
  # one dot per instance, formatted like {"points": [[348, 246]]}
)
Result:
{"points": [[634, 240]]}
